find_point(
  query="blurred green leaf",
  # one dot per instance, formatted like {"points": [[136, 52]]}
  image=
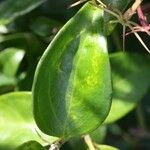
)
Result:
{"points": [[31, 145], [105, 147], [76, 143], [44, 27], [7, 84], [10, 60], [59, 10], [10, 9], [16, 120], [27, 41], [99, 134], [131, 80], [3, 29]]}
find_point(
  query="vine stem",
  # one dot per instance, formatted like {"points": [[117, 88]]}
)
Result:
{"points": [[129, 13], [77, 3], [55, 146], [89, 142]]}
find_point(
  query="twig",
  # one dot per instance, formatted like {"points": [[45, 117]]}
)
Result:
{"points": [[55, 146], [89, 142], [77, 3]]}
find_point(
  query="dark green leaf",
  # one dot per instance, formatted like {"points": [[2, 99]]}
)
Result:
{"points": [[44, 27], [131, 80], [74, 144], [10, 9], [26, 41], [99, 134], [117, 4], [72, 85]]}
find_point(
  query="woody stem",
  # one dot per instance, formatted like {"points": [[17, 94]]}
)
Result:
{"points": [[129, 13]]}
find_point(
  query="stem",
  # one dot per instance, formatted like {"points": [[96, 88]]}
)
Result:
{"points": [[56, 145], [123, 36], [77, 3], [89, 142]]}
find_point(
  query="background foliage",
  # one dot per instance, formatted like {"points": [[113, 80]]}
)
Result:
{"points": [[26, 29]]}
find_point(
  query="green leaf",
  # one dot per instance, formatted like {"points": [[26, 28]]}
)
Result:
{"points": [[43, 26], [10, 60], [72, 84], [16, 120], [74, 144], [31, 145], [3, 29], [99, 134], [10, 9], [27, 41], [131, 80], [106, 147], [6, 83]]}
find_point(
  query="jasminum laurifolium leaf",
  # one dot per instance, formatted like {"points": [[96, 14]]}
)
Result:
{"points": [[72, 84]]}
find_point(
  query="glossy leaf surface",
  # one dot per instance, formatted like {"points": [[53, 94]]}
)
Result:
{"points": [[131, 80], [10, 9], [72, 84], [16, 120]]}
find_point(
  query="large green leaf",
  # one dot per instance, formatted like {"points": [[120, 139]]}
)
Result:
{"points": [[16, 120], [131, 80], [10, 60], [72, 85], [10, 9]]}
